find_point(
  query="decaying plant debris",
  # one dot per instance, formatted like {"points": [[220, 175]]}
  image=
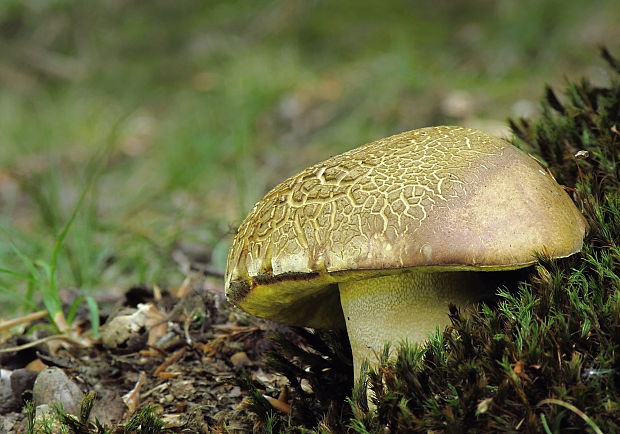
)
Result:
{"points": [[170, 366]]}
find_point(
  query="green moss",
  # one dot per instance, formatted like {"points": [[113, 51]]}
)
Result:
{"points": [[145, 421], [546, 357]]}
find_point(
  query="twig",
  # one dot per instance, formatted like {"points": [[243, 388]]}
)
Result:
{"points": [[207, 270], [174, 357], [149, 392], [42, 341], [132, 398], [22, 320]]}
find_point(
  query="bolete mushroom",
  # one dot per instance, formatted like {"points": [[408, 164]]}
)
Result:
{"points": [[384, 237]]}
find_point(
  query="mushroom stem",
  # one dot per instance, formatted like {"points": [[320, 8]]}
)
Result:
{"points": [[401, 306]]}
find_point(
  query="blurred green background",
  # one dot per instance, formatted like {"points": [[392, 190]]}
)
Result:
{"points": [[171, 118]]}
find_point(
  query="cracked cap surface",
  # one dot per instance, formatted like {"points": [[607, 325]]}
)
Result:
{"points": [[440, 198]]}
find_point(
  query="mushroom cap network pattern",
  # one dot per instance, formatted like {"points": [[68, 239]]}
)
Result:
{"points": [[433, 199]]}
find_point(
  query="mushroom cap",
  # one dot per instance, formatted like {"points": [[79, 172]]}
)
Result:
{"points": [[433, 199]]}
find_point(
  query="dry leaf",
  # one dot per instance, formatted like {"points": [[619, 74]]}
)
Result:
{"points": [[36, 365], [132, 398], [281, 406], [120, 328]]}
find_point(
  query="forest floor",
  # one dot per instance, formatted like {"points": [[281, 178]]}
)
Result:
{"points": [[182, 354]]}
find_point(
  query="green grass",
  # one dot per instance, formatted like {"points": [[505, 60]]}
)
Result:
{"points": [[145, 421], [203, 106]]}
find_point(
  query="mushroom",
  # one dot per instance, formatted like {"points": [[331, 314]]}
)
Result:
{"points": [[381, 239]]}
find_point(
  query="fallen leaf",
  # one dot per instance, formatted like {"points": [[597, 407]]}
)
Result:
{"points": [[184, 289], [483, 406], [36, 365], [132, 398], [240, 359], [519, 369], [281, 406]]}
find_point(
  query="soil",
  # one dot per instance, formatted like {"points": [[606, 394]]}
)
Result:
{"points": [[185, 361]]}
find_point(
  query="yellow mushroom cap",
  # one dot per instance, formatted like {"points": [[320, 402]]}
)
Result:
{"points": [[438, 198]]}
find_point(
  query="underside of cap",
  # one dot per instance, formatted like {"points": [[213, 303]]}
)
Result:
{"points": [[440, 198], [313, 300]]}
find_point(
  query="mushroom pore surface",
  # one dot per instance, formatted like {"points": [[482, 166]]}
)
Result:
{"points": [[408, 214]]}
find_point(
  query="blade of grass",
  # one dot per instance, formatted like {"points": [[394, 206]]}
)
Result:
{"points": [[543, 421], [42, 275], [14, 274], [575, 410], [73, 308], [51, 299], [12, 294], [93, 309]]}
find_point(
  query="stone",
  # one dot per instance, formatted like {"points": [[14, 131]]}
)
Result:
{"points": [[53, 386]]}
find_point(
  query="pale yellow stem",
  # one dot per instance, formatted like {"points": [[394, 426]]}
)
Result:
{"points": [[407, 306]]}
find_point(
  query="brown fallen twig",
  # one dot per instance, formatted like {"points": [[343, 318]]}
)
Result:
{"points": [[5, 325], [174, 357], [65, 338]]}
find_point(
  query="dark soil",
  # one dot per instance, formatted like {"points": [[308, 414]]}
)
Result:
{"points": [[189, 376]]}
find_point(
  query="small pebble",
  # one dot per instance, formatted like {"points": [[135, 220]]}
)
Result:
{"points": [[53, 385], [119, 329], [8, 402], [22, 381]]}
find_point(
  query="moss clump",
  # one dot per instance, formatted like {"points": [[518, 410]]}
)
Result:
{"points": [[319, 368], [546, 357], [144, 421]]}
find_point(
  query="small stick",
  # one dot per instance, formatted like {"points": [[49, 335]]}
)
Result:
{"points": [[169, 361], [22, 320], [65, 338]]}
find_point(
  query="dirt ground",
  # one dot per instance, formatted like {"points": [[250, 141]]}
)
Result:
{"points": [[180, 350]]}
